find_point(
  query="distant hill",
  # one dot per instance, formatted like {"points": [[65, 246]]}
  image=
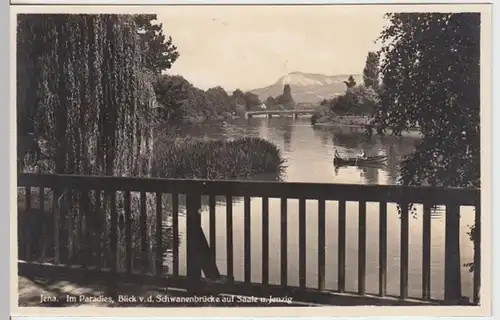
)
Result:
{"points": [[308, 87]]}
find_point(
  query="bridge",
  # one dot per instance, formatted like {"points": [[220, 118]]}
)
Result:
{"points": [[294, 113], [111, 230]]}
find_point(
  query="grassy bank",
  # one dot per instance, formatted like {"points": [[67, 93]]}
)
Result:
{"points": [[190, 158]]}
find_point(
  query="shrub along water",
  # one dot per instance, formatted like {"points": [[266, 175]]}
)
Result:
{"points": [[192, 158]]}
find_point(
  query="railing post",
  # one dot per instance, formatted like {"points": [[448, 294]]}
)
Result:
{"points": [[452, 276], [193, 226]]}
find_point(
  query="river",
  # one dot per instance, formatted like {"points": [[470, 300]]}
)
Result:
{"points": [[309, 154]]}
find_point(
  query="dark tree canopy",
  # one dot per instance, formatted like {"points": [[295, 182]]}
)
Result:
{"points": [[239, 97], [350, 83], [251, 100], [158, 51], [431, 80], [270, 102], [371, 71], [171, 92], [89, 96], [286, 99]]}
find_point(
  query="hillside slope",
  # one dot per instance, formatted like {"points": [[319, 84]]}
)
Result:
{"points": [[307, 87]]}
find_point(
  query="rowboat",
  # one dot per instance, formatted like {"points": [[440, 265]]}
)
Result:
{"points": [[358, 161]]}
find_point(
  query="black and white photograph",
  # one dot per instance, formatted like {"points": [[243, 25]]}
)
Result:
{"points": [[252, 156]]}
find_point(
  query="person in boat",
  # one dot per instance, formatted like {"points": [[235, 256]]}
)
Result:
{"points": [[361, 155]]}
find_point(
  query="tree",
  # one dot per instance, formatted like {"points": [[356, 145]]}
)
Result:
{"points": [[89, 96], [158, 51], [172, 93], [251, 100], [238, 97], [270, 102], [371, 71], [286, 99], [431, 79], [362, 100], [220, 100], [350, 82]]}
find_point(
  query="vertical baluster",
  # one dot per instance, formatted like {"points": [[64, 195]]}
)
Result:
{"points": [[247, 239], [71, 223], [211, 204], [84, 208], [403, 289], [193, 226], [382, 255], [41, 200], [128, 231], [114, 231], [284, 245], [159, 235], [265, 240], [21, 226], [426, 253], [302, 243], [229, 237], [477, 253], [341, 252], [452, 277], [175, 231], [98, 229], [362, 248], [58, 225], [65, 224], [29, 218], [143, 231], [321, 244]]}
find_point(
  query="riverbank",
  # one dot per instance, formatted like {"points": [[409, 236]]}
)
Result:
{"points": [[359, 122]]}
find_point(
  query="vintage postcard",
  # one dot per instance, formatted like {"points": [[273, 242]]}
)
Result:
{"points": [[262, 159]]}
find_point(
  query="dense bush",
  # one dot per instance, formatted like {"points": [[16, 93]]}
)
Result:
{"points": [[216, 159]]}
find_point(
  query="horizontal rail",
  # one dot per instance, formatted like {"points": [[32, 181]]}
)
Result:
{"points": [[289, 190], [281, 111]]}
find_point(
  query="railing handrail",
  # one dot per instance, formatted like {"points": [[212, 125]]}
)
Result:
{"points": [[280, 111], [270, 189]]}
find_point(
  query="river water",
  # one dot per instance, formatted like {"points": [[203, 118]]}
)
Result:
{"points": [[309, 154]]}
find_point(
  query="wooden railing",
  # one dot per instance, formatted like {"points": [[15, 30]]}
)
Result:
{"points": [[92, 211]]}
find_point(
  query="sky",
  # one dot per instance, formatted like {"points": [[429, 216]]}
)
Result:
{"points": [[248, 47]]}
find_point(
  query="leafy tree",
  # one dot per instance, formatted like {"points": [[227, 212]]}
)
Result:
{"points": [[220, 100], [371, 71], [350, 82], [362, 100], [270, 102], [158, 51], [172, 93], [431, 78], [251, 100], [89, 96], [238, 97]]}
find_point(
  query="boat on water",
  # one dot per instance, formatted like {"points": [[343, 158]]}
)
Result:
{"points": [[360, 160]]}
